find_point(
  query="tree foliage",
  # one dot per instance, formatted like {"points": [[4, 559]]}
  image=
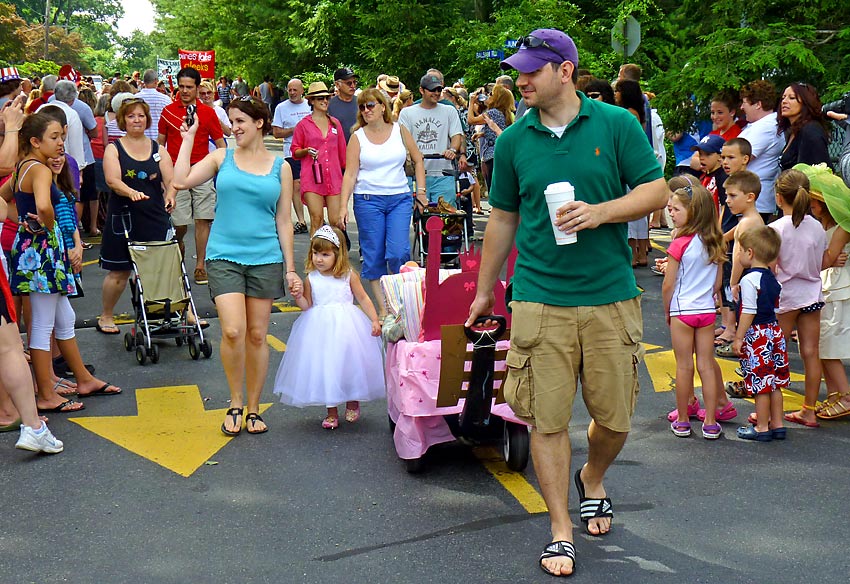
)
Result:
{"points": [[13, 41]]}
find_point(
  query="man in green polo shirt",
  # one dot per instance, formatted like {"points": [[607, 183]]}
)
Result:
{"points": [[576, 307]]}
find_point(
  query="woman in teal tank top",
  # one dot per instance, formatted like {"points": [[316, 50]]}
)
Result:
{"points": [[250, 240]]}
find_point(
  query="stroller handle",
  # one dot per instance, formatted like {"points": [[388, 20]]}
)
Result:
{"points": [[481, 335]]}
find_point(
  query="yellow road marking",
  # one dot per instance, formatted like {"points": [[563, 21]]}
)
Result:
{"points": [[285, 307], [90, 263], [514, 482], [171, 429], [275, 343], [658, 246], [662, 369]]}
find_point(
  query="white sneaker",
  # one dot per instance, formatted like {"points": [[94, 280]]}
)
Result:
{"points": [[39, 442]]}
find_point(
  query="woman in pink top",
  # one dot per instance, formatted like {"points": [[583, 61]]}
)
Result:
{"points": [[801, 258], [320, 136]]}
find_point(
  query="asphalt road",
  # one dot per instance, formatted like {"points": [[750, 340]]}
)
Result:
{"points": [[301, 504]]}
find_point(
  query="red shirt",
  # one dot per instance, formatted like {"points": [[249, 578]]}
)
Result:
{"points": [[97, 145], [209, 129], [732, 132], [37, 103]]}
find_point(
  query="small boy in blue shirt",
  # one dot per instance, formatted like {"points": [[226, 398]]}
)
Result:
{"points": [[759, 340]]}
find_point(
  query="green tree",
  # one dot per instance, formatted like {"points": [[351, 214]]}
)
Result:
{"points": [[13, 40]]}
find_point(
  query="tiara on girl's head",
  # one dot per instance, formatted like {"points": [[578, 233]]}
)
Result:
{"points": [[327, 233]]}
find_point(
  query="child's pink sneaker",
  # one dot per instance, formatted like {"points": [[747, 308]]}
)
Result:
{"points": [[724, 414], [693, 409]]}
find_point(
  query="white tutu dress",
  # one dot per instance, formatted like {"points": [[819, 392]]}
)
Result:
{"points": [[331, 356]]}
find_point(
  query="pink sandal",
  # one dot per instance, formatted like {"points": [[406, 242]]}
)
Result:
{"points": [[330, 423], [352, 416]]}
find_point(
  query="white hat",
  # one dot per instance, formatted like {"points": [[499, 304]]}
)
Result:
{"points": [[119, 99]]}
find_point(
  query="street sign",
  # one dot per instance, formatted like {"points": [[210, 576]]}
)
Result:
{"points": [[491, 54], [628, 29]]}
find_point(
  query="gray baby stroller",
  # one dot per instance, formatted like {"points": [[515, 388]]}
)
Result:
{"points": [[162, 298]]}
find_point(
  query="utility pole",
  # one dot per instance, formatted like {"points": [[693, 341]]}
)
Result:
{"points": [[46, 29]]}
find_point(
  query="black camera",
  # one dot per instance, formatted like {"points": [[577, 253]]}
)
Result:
{"points": [[190, 115], [839, 106]]}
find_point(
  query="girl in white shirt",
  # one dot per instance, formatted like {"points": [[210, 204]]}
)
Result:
{"points": [[691, 280]]}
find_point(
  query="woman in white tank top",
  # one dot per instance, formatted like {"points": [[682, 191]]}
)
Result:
{"points": [[374, 174]]}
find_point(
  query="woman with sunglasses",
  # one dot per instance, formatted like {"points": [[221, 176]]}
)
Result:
{"points": [[802, 121], [320, 136], [374, 173], [250, 240]]}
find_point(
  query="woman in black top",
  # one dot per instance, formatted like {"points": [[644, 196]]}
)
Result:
{"points": [[806, 131], [139, 174]]}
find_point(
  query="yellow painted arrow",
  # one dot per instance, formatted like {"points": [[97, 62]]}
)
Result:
{"points": [[171, 429]]}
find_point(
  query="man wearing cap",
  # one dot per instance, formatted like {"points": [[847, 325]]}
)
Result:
{"points": [[48, 84], [343, 106], [575, 308], [287, 114], [437, 129], [196, 204], [758, 102]]}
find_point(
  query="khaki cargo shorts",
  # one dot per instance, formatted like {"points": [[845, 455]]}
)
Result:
{"points": [[553, 347], [194, 203]]}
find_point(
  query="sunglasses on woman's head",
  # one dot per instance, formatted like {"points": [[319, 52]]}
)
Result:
{"points": [[369, 105]]}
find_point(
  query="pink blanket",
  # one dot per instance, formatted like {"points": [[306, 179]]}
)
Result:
{"points": [[413, 377]]}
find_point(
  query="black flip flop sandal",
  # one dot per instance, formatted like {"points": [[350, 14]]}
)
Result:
{"points": [[250, 420], [558, 549], [592, 508], [232, 412]]}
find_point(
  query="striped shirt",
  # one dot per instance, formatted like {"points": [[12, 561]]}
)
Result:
{"points": [[156, 101]]}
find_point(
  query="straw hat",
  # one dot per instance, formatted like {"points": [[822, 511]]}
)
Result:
{"points": [[830, 189], [317, 89], [391, 84]]}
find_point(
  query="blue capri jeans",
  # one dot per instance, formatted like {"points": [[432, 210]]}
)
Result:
{"points": [[383, 225]]}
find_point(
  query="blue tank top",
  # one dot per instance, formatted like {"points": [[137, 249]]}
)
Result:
{"points": [[244, 230]]}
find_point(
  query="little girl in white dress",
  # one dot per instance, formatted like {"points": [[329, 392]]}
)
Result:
{"points": [[333, 354]]}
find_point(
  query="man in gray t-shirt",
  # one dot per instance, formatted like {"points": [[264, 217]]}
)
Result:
{"points": [[437, 130], [343, 106]]}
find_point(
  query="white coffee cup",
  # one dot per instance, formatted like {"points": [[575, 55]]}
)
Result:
{"points": [[556, 195]]}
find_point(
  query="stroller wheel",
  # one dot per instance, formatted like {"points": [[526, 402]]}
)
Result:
{"points": [[194, 352], [141, 357], [206, 348], [178, 341], [128, 342], [140, 339], [154, 354]]}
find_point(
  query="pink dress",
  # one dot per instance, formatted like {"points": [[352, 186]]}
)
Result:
{"points": [[331, 156]]}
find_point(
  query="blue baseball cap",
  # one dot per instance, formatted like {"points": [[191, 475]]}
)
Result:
{"points": [[710, 143], [541, 46]]}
